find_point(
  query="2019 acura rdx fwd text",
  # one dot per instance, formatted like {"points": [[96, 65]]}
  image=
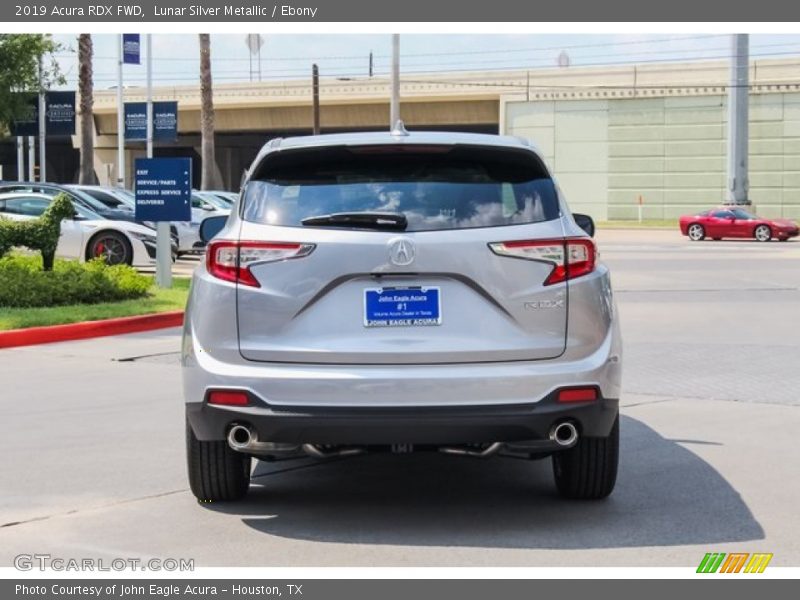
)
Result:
{"points": [[401, 292]]}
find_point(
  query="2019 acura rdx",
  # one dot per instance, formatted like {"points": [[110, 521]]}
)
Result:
{"points": [[401, 292]]}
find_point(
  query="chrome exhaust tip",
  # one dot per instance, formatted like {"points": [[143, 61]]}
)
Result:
{"points": [[565, 434], [240, 438]]}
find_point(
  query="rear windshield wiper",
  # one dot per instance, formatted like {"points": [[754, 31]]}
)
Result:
{"points": [[368, 220]]}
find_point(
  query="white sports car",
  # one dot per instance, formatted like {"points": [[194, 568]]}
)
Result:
{"points": [[88, 235], [184, 232]]}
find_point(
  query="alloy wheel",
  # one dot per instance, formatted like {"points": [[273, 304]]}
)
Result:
{"points": [[763, 233], [696, 232], [111, 249]]}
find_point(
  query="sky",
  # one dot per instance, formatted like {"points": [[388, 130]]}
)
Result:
{"points": [[290, 56]]}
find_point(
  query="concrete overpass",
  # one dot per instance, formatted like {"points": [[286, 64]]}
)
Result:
{"points": [[249, 114], [569, 112]]}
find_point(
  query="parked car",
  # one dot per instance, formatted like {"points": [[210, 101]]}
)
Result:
{"points": [[229, 198], [113, 198], [406, 292], [209, 202], [78, 197], [184, 233], [88, 235], [735, 222]]}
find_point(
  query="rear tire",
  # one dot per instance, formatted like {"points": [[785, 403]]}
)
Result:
{"points": [[588, 470], [216, 473]]}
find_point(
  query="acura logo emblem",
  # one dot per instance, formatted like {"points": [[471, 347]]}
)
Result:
{"points": [[401, 252]]}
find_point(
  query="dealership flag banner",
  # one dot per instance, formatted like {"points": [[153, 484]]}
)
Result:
{"points": [[165, 121], [28, 124], [131, 49], [59, 115]]}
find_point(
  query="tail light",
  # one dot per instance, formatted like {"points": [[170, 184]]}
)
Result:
{"points": [[228, 398], [571, 258], [232, 260], [577, 394]]}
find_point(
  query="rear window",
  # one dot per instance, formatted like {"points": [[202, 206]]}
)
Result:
{"points": [[435, 187]]}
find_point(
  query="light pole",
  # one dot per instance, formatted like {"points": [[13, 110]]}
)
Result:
{"points": [[120, 118], [42, 126], [20, 158], [315, 97], [163, 241], [738, 115], [31, 158]]}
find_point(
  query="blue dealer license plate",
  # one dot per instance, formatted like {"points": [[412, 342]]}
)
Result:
{"points": [[402, 307]]}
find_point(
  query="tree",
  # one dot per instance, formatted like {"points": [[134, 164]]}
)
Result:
{"points": [[19, 72], [86, 91], [207, 153]]}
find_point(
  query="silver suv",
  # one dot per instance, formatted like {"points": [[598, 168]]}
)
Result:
{"points": [[401, 292]]}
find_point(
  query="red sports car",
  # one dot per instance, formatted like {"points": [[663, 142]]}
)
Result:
{"points": [[734, 222]]}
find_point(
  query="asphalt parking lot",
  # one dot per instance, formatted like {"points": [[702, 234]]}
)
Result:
{"points": [[92, 438]]}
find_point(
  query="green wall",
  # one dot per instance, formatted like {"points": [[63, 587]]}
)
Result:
{"points": [[670, 151]]}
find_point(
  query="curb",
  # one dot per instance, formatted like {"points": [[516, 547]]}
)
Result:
{"points": [[89, 329]]}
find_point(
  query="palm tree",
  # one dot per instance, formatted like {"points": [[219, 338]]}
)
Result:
{"points": [[85, 86], [208, 178]]}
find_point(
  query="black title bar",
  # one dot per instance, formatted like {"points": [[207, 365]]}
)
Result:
{"points": [[460, 11]]}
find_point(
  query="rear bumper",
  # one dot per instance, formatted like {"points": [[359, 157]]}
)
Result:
{"points": [[419, 425], [432, 404], [290, 386]]}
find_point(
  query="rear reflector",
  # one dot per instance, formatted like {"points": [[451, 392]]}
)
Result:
{"points": [[571, 257], [228, 398], [231, 260], [577, 395]]}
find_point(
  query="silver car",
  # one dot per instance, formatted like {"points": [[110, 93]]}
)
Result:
{"points": [[401, 292]]}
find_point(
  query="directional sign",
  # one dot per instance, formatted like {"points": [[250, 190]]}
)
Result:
{"points": [[163, 189], [165, 121], [131, 48]]}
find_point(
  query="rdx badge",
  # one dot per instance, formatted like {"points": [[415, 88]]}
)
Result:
{"points": [[544, 304]]}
